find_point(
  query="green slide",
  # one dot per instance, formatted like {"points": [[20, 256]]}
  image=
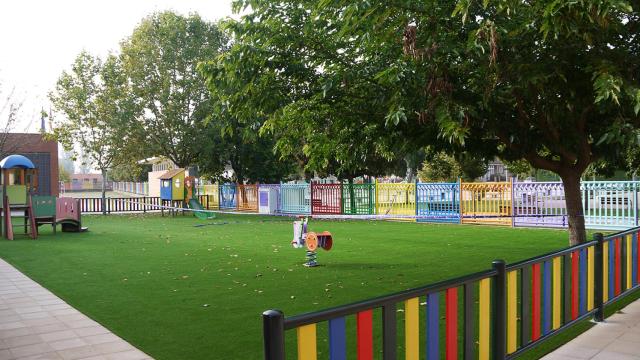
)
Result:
{"points": [[195, 205]]}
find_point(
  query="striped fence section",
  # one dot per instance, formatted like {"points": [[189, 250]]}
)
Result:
{"points": [[326, 199], [486, 203], [396, 198], [295, 198], [228, 197], [247, 198], [115, 205], [438, 202], [358, 199], [495, 314]]}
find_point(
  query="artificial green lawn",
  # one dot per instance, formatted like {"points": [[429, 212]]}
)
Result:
{"points": [[180, 290]]}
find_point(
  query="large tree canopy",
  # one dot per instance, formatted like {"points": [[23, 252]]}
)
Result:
{"points": [[160, 59], [552, 82]]}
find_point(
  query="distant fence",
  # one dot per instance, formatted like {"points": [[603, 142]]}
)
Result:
{"points": [[498, 313], [86, 186], [608, 205], [138, 188], [118, 205]]}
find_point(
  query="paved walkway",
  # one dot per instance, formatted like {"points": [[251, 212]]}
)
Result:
{"points": [[35, 324], [618, 338]]}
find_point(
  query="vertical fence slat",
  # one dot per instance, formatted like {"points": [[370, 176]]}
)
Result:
{"points": [[469, 322], [590, 277], [557, 286], [575, 277], [484, 326], [546, 298], [337, 339], [433, 328], [525, 307], [452, 324], [389, 336], [307, 348], [618, 266], [411, 329], [512, 311], [535, 303], [583, 282], [364, 329]]}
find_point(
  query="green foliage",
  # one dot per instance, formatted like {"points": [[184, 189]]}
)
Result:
{"points": [[160, 60], [520, 168], [63, 174], [441, 167], [552, 82], [130, 171], [95, 108]]}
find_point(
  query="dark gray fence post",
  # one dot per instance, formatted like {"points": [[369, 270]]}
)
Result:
{"points": [[500, 310], [598, 273], [273, 334]]}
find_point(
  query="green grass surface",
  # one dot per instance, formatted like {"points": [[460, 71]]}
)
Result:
{"points": [[181, 291]]}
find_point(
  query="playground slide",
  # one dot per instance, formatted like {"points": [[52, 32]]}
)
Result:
{"points": [[195, 205]]}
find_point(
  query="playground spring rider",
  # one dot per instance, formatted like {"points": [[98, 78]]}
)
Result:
{"points": [[311, 239]]}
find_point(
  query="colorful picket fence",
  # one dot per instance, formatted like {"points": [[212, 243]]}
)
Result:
{"points": [[498, 313], [295, 198], [395, 198], [486, 203], [358, 199], [247, 198], [438, 202]]}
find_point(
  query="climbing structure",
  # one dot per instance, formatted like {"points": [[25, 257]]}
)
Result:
{"points": [[19, 181]]}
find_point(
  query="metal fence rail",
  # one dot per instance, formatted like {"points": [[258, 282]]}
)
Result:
{"points": [[228, 198], [539, 204], [396, 198], [296, 198], [501, 312], [438, 202], [358, 199], [486, 203], [115, 205], [610, 204], [326, 198], [247, 198]]}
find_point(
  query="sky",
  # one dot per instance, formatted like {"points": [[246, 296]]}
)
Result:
{"points": [[41, 38]]}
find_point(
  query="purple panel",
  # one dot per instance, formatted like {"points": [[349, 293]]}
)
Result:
{"points": [[264, 198], [539, 204]]}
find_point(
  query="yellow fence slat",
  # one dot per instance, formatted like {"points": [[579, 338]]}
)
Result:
{"points": [[484, 326], [412, 328], [557, 291], [590, 277], [512, 311], [307, 342]]}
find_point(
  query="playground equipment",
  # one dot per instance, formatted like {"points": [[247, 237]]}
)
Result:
{"points": [[69, 215], [19, 180], [311, 240], [191, 200], [172, 190], [64, 211]]}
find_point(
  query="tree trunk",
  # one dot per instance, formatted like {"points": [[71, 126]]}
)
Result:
{"points": [[104, 190], [352, 196], [573, 199]]}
